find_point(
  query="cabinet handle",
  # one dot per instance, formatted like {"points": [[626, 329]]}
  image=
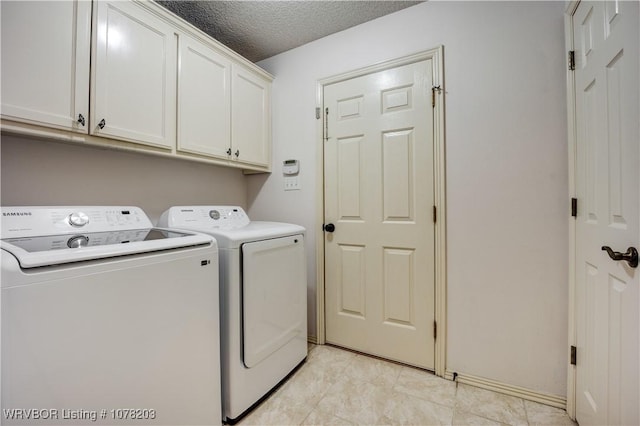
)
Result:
{"points": [[229, 151], [237, 153], [81, 119], [102, 123]]}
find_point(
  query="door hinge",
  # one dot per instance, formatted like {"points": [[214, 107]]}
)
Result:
{"points": [[574, 355], [435, 330], [435, 214], [326, 124], [572, 60], [574, 207], [433, 95], [318, 113]]}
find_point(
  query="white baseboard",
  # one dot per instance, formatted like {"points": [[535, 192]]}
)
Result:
{"points": [[520, 392]]}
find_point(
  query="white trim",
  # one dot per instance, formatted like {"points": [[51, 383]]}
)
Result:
{"points": [[437, 57], [320, 328], [571, 145], [439, 183], [517, 391]]}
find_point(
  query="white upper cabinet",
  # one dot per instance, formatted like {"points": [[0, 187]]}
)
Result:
{"points": [[133, 91], [45, 63], [204, 99], [132, 75], [250, 117]]}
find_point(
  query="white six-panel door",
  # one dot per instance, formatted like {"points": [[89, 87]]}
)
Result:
{"points": [[608, 187], [379, 195]]}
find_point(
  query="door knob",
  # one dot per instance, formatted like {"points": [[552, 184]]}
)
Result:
{"points": [[81, 119], [102, 123], [329, 227], [631, 256]]}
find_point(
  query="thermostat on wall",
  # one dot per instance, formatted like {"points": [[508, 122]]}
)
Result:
{"points": [[290, 167]]}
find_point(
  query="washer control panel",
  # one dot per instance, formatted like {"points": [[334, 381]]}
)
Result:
{"points": [[40, 221], [203, 217]]}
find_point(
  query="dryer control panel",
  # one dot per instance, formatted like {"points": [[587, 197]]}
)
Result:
{"points": [[204, 217]]}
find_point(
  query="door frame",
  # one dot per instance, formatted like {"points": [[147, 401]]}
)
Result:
{"points": [[440, 297], [570, 10]]}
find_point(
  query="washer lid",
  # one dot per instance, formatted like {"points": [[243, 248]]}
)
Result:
{"points": [[50, 235], [50, 250]]}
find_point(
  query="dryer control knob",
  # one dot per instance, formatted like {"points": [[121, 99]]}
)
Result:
{"points": [[78, 219], [214, 214]]}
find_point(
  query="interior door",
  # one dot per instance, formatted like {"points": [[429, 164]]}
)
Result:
{"points": [[608, 186], [379, 196]]}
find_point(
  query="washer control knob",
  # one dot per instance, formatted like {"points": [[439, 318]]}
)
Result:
{"points": [[214, 214], [78, 219], [78, 241]]}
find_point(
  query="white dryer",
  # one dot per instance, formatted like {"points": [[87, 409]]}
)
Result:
{"points": [[263, 296], [107, 320]]}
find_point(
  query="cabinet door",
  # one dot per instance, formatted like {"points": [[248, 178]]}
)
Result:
{"points": [[250, 117], [134, 69], [204, 101], [45, 63]]}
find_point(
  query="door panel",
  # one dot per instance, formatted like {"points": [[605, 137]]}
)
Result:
{"points": [[608, 189], [379, 262], [397, 176]]}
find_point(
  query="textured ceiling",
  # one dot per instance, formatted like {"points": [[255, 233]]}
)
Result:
{"points": [[261, 29]]}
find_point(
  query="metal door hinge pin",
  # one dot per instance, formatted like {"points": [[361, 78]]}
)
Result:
{"points": [[433, 94], [572, 60]]}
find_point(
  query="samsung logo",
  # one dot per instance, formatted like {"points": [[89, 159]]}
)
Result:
{"points": [[16, 213]]}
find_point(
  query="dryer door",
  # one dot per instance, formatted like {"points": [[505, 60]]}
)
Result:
{"points": [[274, 296]]}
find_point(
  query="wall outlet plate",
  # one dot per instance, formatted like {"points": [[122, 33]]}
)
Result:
{"points": [[291, 183]]}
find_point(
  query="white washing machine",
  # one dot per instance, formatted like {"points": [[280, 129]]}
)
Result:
{"points": [[263, 296], [107, 320]]}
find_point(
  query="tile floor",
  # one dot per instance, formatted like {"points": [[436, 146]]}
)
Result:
{"points": [[338, 387]]}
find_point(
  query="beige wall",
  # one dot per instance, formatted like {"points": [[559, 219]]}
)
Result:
{"points": [[36, 172], [506, 171]]}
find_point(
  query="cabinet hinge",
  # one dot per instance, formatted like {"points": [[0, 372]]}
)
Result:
{"points": [[572, 60], [435, 330], [574, 207], [318, 113], [435, 214], [433, 95], [574, 355]]}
